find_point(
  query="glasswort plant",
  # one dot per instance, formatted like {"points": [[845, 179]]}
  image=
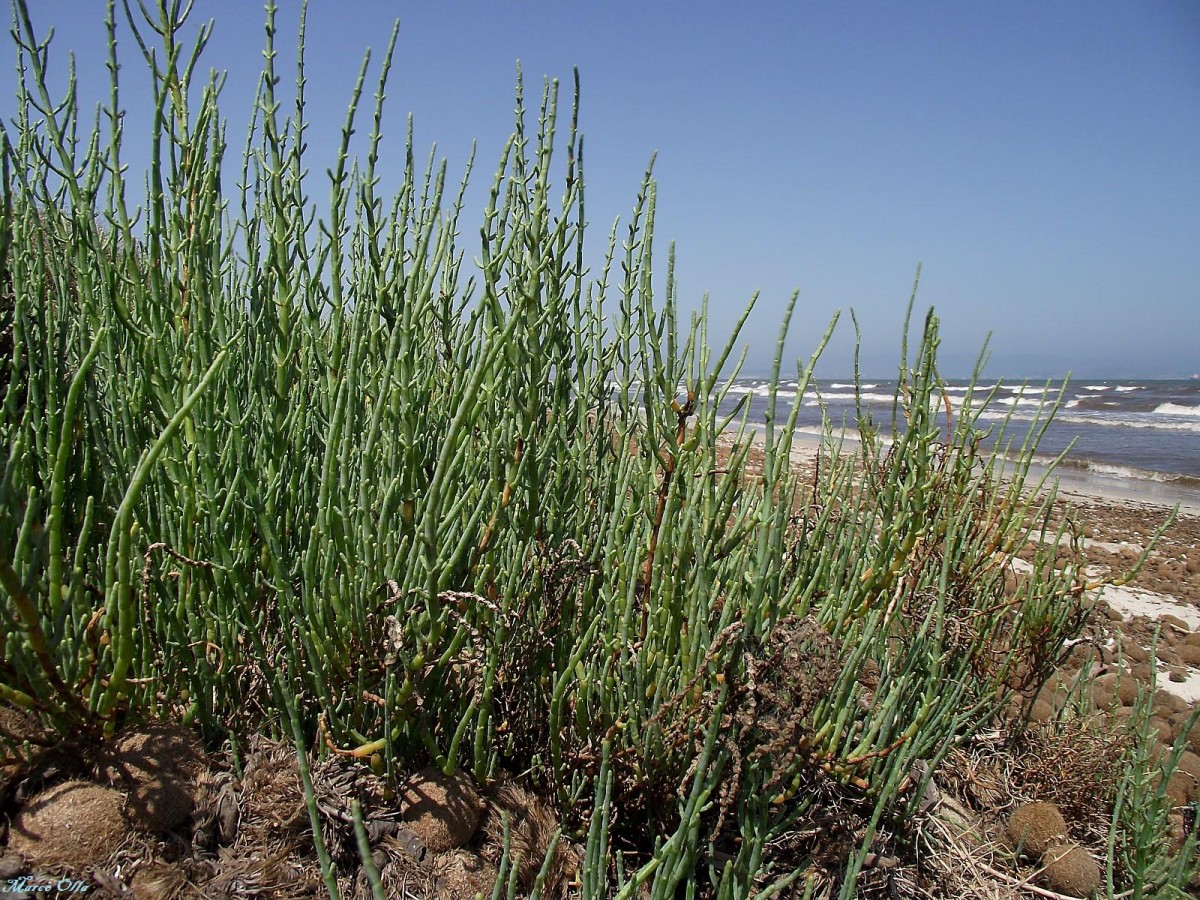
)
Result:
{"points": [[269, 471]]}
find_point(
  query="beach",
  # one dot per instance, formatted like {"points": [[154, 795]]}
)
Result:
{"points": [[1156, 609]]}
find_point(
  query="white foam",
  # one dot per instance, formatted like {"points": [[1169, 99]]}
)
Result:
{"points": [[868, 397], [1020, 401], [1112, 470], [781, 393], [1122, 389], [963, 388], [1110, 547], [1177, 409], [1193, 427], [1020, 567], [841, 384], [1097, 387], [1131, 602], [1081, 419], [1187, 690]]}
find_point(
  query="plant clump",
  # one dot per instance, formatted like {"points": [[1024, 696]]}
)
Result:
{"points": [[459, 873], [444, 811], [533, 831], [1036, 827], [339, 784], [271, 801], [75, 825], [1074, 762], [1071, 870], [161, 880]]}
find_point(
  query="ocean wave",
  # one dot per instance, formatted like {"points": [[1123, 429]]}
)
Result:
{"points": [[1091, 401], [1125, 472], [762, 391], [1023, 401], [1177, 409], [963, 388], [868, 397], [1124, 389], [1113, 470], [1018, 400], [841, 384], [1106, 421], [1097, 387]]}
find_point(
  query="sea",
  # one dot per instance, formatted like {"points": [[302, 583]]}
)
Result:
{"points": [[1138, 440]]}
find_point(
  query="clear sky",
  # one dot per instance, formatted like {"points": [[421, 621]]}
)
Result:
{"points": [[1041, 160]]}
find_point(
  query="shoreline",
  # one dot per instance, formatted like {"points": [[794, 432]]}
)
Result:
{"points": [[1080, 483], [1086, 485]]}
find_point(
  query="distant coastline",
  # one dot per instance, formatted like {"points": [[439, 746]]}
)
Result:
{"points": [[1122, 435]]}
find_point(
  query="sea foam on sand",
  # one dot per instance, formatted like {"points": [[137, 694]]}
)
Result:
{"points": [[1132, 602]]}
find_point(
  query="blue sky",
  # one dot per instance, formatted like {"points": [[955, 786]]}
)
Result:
{"points": [[1041, 160]]}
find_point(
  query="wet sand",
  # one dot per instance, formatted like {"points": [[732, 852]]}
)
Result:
{"points": [[1087, 486]]}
